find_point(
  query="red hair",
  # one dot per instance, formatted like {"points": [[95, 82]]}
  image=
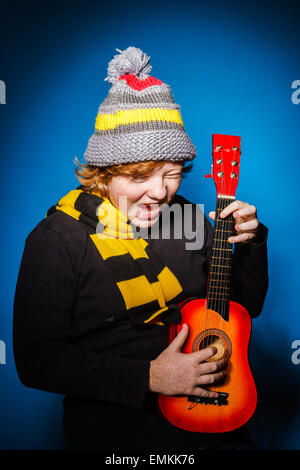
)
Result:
{"points": [[95, 179]]}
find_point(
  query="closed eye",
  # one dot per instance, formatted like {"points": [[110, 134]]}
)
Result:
{"points": [[174, 175], [139, 179]]}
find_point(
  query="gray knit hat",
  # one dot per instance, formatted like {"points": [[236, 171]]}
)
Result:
{"points": [[138, 121]]}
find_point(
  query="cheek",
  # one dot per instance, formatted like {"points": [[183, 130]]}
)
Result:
{"points": [[173, 187], [116, 189], [122, 187]]}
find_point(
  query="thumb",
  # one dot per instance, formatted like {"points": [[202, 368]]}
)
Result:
{"points": [[179, 340], [212, 215], [204, 354]]}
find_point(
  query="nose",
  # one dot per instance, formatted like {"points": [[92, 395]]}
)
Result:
{"points": [[157, 188]]}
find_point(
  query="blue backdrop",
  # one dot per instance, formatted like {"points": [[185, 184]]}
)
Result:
{"points": [[231, 66]]}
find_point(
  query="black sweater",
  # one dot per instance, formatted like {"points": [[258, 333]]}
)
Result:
{"points": [[69, 337]]}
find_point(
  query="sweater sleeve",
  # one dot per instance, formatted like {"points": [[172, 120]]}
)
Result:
{"points": [[250, 273], [249, 280], [46, 357]]}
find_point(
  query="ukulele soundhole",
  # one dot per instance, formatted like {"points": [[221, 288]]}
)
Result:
{"points": [[216, 338]]}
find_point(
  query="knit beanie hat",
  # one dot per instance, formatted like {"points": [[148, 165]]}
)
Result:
{"points": [[138, 121]]}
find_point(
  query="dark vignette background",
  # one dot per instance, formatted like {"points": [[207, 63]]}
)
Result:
{"points": [[230, 65]]}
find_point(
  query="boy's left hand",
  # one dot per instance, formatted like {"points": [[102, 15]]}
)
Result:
{"points": [[245, 218]]}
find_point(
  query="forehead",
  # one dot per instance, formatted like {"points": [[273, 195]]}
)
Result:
{"points": [[146, 169], [168, 166]]}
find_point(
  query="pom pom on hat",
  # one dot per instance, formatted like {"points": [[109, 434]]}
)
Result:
{"points": [[130, 61]]}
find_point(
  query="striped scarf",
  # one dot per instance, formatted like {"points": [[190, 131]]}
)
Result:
{"points": [[144, 282]]}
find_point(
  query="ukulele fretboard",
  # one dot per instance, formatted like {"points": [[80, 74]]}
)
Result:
{"points": [[218, 288]]}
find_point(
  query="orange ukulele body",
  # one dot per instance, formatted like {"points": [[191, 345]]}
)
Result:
{"points": [[231, 339], [217, 321]]}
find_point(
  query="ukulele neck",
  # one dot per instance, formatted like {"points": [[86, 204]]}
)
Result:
{"points": [[218, 288]]}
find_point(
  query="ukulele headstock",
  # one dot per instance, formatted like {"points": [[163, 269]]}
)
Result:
{"points": [[226, 163]]}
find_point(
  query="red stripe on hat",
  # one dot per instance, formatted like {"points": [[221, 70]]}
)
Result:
{"points": [[138, 84]]}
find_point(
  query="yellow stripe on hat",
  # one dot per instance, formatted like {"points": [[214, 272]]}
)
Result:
{"points": [[132, 116]]}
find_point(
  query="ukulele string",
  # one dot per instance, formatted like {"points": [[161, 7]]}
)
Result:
{"points": [[219, 247], [224, 261], [214, 283], [217, 260], [208, 301], [205, 341], [222, 276], [211, 300], [227, 261], [226, 246], [222, 246]]}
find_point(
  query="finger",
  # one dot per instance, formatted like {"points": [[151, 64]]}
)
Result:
{"points": [[212, 367], [205, 354], [243, 237], [203, 392], [245, 211], [247, 226], [212, 215], [233, 206], [179, 340], [208, 379]]}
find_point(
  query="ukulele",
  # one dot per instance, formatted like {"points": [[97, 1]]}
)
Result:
{"points": [[217, 321]]}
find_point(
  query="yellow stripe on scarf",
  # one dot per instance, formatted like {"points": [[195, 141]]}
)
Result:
{"points": [[139, 290], [66, 203], [136, 291], [114, 221], [169, 283]]}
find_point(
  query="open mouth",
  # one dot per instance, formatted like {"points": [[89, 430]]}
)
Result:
{"points": [[147, 211]]}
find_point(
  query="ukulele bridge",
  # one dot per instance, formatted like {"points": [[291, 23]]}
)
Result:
{"points": [[220, 400]]}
